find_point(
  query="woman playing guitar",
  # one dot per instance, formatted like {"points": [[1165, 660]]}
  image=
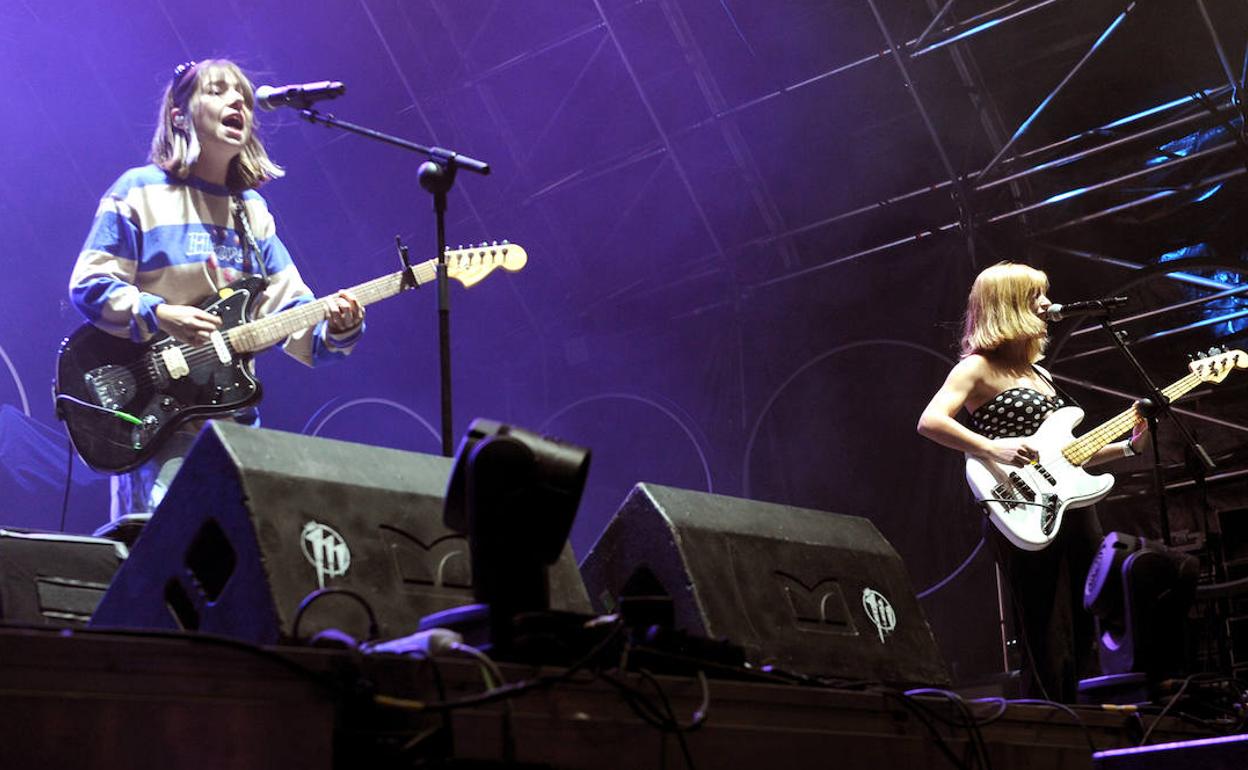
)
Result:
{"points": [[169, 234], [1007, 396]]}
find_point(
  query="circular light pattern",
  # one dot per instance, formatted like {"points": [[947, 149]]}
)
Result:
{"points": [[816, 360], [671, 415], [21, 390], [329, 410], [775, 396]]}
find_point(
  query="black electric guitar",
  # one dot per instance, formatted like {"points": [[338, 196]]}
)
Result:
{"points": [[120, 399]]}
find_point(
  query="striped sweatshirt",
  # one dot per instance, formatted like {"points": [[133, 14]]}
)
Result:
{"points": [[157, 238]]}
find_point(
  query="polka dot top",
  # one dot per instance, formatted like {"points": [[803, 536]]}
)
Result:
{"points": [[1014, 412]]}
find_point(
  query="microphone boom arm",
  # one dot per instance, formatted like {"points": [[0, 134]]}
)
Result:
{"points": [[438, 154]]}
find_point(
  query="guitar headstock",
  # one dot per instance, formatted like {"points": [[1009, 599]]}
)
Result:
{"points": [[470, 265], [1216, 364]]}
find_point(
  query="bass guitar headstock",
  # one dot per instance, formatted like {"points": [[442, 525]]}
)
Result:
{"points": [[1215, 364]]}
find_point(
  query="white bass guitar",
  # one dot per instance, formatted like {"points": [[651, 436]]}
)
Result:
{"points": [[1027, 503]]}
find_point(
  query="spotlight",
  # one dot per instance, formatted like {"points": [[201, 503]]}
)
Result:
{"points": [[1140, 592], [515, 494]]}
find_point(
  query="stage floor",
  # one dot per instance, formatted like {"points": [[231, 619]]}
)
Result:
{"points": [[87, 699]]}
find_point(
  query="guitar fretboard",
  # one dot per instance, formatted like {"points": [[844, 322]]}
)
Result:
{"points": [[468, 266], [266, 332], [1083, 448]]}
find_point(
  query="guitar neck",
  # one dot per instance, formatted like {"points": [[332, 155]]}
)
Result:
{"points": [[264, 333], [1083, 448]]}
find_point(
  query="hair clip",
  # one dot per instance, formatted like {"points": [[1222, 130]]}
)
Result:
{"points": [[181, 70]]}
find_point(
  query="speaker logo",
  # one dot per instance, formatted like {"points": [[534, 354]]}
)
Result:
{"points": [[879, 611], [820, 608], [326, 551]]}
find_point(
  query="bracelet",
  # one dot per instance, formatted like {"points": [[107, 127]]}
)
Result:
{"points": [[1128, 450]]}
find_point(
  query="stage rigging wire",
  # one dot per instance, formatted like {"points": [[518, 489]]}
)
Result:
{"points": [[957, 571], [1087, 733], [335, 688], [448, 723], [656, 709], [320, 593], [666, 720], [925, 715], [661, 714], [1174, 699], [509, 690], [493, 677], [976, 748]]}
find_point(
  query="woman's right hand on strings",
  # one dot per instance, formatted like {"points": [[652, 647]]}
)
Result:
{"points": [[187, 324], [1011, 451]]}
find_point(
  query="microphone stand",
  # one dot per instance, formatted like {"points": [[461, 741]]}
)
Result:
{"points": [[437, 176], [1153, 408]]}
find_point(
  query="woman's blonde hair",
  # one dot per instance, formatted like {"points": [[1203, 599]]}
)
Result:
{"points": [[176, 148], [1001, 322]]}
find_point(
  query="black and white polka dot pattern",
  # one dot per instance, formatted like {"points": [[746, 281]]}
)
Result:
{"points": [[1014, 412]]}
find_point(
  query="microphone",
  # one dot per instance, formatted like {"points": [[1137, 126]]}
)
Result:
{"points": [[300, 95], [1083, 307]]}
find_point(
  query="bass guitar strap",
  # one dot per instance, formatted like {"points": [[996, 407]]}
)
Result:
{"points": [[1070, 401]]}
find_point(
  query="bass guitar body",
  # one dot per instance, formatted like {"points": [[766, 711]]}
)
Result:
{"points": [[1027, 504]]}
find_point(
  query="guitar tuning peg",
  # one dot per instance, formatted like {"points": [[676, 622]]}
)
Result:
{"points": [[506, 242]]}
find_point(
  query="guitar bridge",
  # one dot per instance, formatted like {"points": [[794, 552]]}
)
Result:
{"points": [[1005, 496], [1013, 493], [1048, 516], [1022, 487]]}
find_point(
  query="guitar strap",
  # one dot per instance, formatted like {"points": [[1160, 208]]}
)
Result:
{"points": [[251, 248], [1056, 388], [248, 415]]}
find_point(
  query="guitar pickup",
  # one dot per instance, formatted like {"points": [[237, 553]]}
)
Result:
{"points": [[1048, 517], [1022, 487], [1047, 476], [218, 345], [175, 363]]}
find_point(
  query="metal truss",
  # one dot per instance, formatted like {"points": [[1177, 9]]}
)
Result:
{"points": [[1203, 109]]}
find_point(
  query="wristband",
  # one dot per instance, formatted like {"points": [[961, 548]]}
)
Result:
{"points": [[1128, 450]]}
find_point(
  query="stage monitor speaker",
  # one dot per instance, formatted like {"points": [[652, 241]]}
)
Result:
{"points": [[257, 520], [53, 579], [802, 590]]}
